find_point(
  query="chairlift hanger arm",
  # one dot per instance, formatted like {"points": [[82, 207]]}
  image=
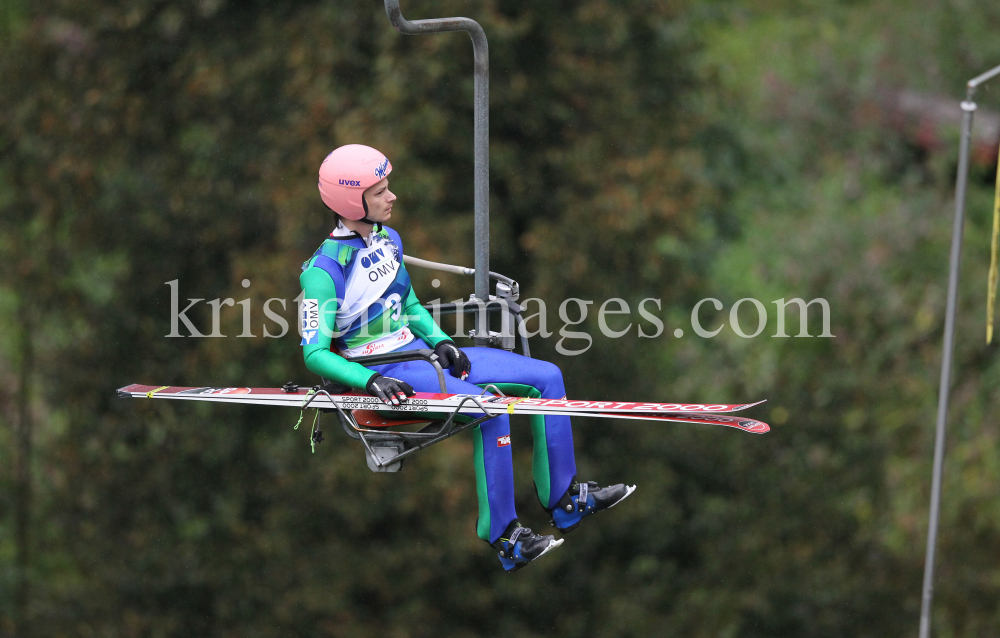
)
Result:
{"points": [[441, 25], [481, 133]]}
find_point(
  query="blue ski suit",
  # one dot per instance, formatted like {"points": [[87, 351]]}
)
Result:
{"points": [[357, 299]]}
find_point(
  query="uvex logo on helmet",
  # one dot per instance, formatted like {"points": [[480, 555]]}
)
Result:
{"points": [[380, 170], [349, 182]]}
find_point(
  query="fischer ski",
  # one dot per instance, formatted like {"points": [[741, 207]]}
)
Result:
{"points": [[435, 402]]}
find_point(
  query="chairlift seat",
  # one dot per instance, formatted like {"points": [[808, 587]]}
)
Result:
{"points": [[386, 442], [376, 419]]}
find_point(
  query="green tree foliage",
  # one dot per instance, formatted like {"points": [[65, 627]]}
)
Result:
{"points": [[156, 141], [638, 150]]}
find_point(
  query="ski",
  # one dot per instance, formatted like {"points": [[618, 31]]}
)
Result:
{"points": [[435, 402], [741, 423]]}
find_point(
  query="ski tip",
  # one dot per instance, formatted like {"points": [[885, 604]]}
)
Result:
{"points": [[126, 392], [754, 427]]}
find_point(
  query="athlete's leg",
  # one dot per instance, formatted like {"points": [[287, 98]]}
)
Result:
{"points": [[490, 440], [554, 465], [553, 460]]}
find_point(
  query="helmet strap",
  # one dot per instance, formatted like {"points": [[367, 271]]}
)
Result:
{"points": [[365, 218]]}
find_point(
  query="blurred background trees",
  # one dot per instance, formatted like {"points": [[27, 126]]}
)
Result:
{"points": [[676, 151]]}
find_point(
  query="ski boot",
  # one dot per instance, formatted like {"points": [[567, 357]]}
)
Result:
{"points": [[584, 499], [519, 545]]}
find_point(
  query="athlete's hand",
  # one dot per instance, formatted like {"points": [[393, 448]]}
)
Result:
{"points": [[449, 356], [391, 391]]}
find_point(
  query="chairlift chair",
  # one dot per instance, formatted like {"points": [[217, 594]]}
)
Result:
{"points": [[389, 439]]}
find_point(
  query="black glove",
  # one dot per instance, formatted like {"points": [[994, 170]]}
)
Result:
{"points": [[391, 391], [449, 356]]}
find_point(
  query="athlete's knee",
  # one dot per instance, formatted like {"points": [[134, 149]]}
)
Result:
{"points": [[550, 380]]}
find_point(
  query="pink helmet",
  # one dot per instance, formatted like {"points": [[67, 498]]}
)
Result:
{"points": [[346, 173]]}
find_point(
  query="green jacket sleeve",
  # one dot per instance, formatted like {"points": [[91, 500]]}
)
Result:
{"points": [[421, 322], [318, 285]]}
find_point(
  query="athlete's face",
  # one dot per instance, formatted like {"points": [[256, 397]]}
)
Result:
{"points": [[379, 199]]}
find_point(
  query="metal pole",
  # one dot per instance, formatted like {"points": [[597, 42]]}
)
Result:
{"points": [[961, 181], [481, 133], [968, 108]]}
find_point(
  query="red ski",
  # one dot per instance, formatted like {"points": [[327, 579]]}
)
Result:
{"points": [[435, 402]]}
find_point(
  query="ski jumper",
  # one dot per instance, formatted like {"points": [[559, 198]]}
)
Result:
{"points": [[357, 300]]}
